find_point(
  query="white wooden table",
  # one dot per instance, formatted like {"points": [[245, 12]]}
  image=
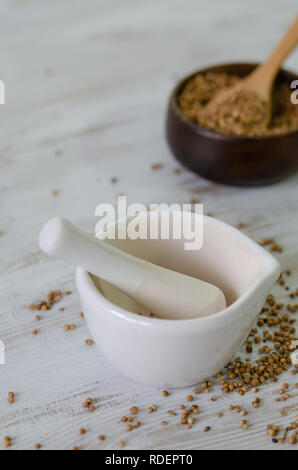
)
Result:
{"points": [[86, 90]]}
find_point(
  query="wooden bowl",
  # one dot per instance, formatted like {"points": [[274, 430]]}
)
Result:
{"points": [[227, 159]]}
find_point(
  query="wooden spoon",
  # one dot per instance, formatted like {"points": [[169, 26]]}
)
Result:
{"points": [[260, 81], [167, 293]]}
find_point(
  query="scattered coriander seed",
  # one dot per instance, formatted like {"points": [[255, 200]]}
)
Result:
{"points": [[156, 166], [164, 423], [137, 424], [129, 427], [75, 448], [276, 247], [134, 410], [121, 443], [293, 439], [37, 446], [101, 437], [34, 332], [82, 430], [7, 441], [89, 342], [246, 375], [207, 428]]}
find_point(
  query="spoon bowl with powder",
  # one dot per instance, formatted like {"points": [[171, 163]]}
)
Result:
{"points": [[246, 106]]}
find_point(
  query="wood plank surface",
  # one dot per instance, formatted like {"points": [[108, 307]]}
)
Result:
{"points": [[87, 84]]}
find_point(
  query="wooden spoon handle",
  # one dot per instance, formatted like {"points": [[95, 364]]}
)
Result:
{"points": [[284, 47], [263, 76]]}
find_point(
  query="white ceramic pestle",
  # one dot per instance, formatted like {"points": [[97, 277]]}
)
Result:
{"points": [[166, 293]]}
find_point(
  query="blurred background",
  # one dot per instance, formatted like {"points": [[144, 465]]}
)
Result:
{"points": [[87, 84]]}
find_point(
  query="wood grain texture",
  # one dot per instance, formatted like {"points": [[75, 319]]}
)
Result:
{"points": [[87, 86]]}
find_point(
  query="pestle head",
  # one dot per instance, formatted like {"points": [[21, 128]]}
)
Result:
{"points": [[173, 295]]}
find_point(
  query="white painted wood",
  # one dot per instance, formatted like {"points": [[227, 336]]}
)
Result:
{"points": [[86, 90]]}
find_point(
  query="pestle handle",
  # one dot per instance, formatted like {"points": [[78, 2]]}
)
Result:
{"points": [[61, 239]]}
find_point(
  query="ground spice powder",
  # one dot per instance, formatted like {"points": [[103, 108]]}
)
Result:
{"points": [[237, 113]]}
